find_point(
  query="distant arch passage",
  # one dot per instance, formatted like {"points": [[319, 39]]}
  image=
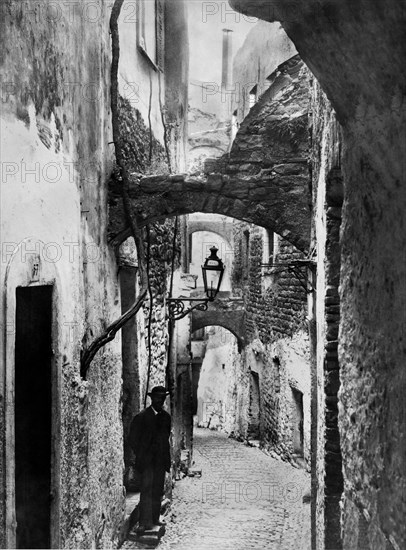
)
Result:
{"points": [[233, 320], [220, 228]]}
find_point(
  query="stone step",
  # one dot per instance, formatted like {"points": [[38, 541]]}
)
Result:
{"points": [[149, 537]]}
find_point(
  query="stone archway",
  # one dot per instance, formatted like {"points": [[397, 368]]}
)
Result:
{"points": [[204, 231], [223, 229], [227, 313], [264, 180]]}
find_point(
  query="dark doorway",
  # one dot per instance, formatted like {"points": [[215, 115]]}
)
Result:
{"points": [[297, 418], [33, 416], [253, 417]]}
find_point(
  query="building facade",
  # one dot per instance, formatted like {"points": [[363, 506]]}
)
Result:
{"points": [[63, 280]]}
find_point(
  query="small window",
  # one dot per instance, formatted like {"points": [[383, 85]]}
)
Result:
{"points": [[198, 334], [268, 247], [246, 253], [234, 125], [253, 96], [276, 245], [190, 248]]}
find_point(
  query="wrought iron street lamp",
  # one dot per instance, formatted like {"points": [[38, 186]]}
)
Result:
{"points": [[212, 270]]}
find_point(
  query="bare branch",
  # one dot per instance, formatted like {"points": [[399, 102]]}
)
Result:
{"points": [[110, 332]]}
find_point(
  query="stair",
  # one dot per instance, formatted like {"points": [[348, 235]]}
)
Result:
{"points": [[148, 538]]}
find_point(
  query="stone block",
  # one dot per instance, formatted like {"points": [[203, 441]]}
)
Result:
{"points": [[332, 332], [332, 307], [331, 382], [334, 212], [331, 365], [331, 291], [332, 345]]}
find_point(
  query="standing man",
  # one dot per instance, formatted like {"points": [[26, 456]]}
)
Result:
{"points": [[149, 439]]}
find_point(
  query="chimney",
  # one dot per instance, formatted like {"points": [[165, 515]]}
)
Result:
{"points": [[226, 60], [226, 100]]}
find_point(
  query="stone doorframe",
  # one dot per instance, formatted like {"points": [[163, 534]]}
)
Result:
{"points": [[28, 269]]}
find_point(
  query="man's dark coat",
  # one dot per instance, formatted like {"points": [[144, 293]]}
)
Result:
{"points": [[149, 439]]}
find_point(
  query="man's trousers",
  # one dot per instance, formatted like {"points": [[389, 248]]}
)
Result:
{"points": [[152, 488]]}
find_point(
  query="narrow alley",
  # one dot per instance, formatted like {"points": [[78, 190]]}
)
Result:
{"points": [[243, 499], [203, 275]]}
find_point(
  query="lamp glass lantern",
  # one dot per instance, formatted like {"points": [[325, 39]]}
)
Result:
{"points": [[212, 270]]}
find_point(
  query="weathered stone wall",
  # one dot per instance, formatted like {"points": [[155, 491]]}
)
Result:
{"points": [[161, 252], [372, 410], [327, 199], [264, 180], [283, 368], [154, 127], [371, 338], [277, 341], [265, 48], [180, 384], [148, 365], [51, 83], [338, 41], [278, 310]]}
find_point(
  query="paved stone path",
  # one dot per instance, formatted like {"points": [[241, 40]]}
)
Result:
{"points": [[244, 500]]}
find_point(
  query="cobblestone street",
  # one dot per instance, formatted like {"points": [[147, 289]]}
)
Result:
{"points": [[244, 499]]}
